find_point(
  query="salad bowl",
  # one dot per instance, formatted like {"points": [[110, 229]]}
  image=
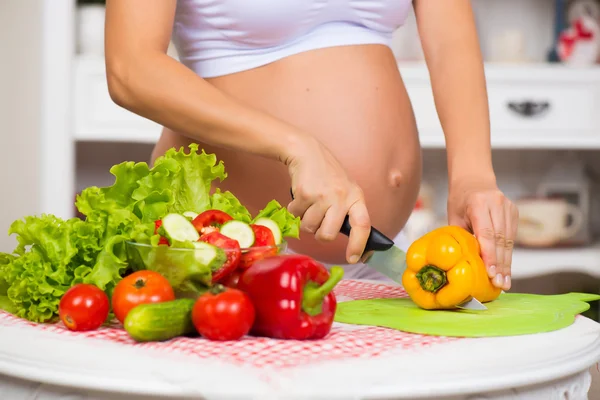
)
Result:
{"points": [[192, 270]]}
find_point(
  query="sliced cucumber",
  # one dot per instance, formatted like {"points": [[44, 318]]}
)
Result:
{"points": [[179, 228], [272, 225], [209, 255], [240, 231], [190, 215]]}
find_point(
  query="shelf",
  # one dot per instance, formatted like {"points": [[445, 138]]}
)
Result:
{"points": [[528, 72], [529, 263], [435, 140], [573, 92]]}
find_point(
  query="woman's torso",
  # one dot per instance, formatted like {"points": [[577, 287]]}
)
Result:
{"points": [[350, 97]]}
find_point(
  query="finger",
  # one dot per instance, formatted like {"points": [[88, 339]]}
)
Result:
{"points": [[300, 204], [512, 216], [359, 234], [499, 224], [484, 232], [313, 217], [332, 223]]}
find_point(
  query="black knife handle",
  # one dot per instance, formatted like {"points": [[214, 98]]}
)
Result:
{"points": [[377, 241]]}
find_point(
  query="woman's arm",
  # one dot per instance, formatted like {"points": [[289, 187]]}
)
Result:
{"points": [[142, 78], [451, 48], [145, 80], [453, 56]]}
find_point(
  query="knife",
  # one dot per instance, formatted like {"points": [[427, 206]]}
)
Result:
{"points": [[382, 254]]}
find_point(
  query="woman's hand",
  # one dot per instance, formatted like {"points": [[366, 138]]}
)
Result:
{"points": [[324, 195], [483, 209]]}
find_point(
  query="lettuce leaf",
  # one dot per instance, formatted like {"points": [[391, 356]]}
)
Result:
{"points": [[287, 222], [184, 179], [227, 202], [53, 254]]}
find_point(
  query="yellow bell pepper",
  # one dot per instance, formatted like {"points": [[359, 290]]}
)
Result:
{"points": [[444, 268]]}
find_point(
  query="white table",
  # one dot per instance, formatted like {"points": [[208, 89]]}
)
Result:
{"points": [[57, 365]]}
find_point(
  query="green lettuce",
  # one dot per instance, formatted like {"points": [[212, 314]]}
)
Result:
{"points": [[287, 222], [227, 202], [54, 254]]}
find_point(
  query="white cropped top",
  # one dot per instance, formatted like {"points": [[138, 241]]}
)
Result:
{"points": [[220, 37]]}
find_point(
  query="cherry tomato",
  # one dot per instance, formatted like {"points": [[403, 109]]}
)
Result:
{"points": [[83, 307], [223, 314], [210, 218], [162, 240], [264, 246], [232, 279], [139, 288], [232, 249]]}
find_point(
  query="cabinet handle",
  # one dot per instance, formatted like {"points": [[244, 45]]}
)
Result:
{"points": [[529, 108]]}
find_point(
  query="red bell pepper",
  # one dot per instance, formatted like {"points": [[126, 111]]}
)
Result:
{"points": [[293, 296]]}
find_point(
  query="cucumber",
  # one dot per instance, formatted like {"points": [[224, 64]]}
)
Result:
{"points": [[272, 225], [179, 228], [155, 322], [190, 215], [240, 231], [209, 255]]}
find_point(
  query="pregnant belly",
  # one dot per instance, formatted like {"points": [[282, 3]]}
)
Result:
{"points": [[354, 101]]}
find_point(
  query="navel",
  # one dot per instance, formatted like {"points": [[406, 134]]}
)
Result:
{"points": [[395, 178]]}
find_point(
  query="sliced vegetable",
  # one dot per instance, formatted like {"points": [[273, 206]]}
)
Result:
{"points": [[210, 218], [83, 307], [209, 255], [223, 314], [162, 240], [240, 231], [264, 246], [179, 228], [154, 322], [287, 222], [272, 225], [263, 236], [190, 215], [141, 287], [232, 253]]}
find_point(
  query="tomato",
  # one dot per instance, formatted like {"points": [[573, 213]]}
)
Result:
{"points": [[232, 249], [83, 307], [162, 240], [264, 246], [253, 255], [223, 314], [232, 279], [210, 218], [139, 288], [263, 236]]}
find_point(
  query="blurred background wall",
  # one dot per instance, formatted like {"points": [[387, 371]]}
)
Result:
{"points": [[20, 112]]}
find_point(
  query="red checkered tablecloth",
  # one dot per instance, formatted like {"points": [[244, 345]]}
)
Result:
{"points": [[341, 343]]}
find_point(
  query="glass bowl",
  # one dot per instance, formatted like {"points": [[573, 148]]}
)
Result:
{"points": [[190, 270]]}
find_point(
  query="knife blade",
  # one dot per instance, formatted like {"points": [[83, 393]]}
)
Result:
{"points": [[382, 254]]}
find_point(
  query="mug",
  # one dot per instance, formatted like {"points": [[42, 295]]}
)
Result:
{"points": [[543, 222]]}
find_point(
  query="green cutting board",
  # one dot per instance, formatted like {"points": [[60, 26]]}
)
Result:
{"points": [[509, 315]]}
